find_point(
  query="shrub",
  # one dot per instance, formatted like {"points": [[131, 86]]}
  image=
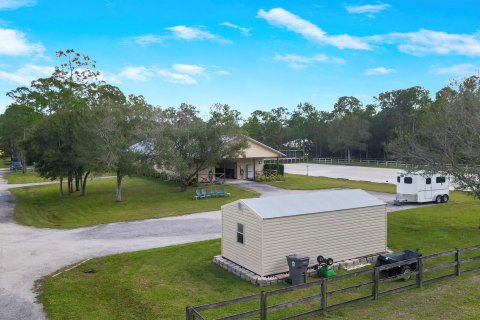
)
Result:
{"points": [[272, 167]]}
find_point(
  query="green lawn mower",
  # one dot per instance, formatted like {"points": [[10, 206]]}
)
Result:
{"points": [[325, 267]]}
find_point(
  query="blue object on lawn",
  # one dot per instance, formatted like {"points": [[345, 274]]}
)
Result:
{"points": [[213, 192], [204, 193], [199, 194], [222, 192]]}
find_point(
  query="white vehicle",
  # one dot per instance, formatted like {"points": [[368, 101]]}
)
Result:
{"points": [[421, 187]]}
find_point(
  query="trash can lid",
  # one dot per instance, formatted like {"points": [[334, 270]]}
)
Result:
{"points": [[297, 257]]}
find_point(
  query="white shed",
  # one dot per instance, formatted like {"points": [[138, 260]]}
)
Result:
{"points": [[259, 233]]}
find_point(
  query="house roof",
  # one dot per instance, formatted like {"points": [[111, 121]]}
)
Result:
{"points": [[312, 202]]}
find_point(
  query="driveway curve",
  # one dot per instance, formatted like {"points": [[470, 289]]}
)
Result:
{"points": [[28, 254]]}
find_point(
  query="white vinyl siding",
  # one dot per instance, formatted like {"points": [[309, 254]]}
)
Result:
{"points": [[249, 253], [340, 235]]}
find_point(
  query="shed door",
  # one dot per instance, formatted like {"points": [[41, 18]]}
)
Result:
{"points": [[250, 172]]}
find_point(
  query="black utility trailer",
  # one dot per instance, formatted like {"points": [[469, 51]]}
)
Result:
{"points": [[397, 257]]}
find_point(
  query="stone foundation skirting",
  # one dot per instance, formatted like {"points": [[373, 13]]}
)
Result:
{"points": [[258, 280]]}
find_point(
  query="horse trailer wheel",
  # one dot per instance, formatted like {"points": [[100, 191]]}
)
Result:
{"points": [[438, 199], [445, 198]]}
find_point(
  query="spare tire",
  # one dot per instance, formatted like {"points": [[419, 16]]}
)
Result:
{"points": [[320, 259], [329, 261]]}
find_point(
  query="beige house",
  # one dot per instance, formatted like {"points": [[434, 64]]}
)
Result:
{"points": [[247, 166], [258, 234]]}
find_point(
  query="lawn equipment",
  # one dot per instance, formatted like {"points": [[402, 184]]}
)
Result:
{"points": [[405, 270], [325, 269]]}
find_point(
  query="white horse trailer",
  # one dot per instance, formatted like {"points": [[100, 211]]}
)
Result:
{"points": [[421, 187]]}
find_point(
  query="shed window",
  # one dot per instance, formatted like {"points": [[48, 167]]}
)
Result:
{"points": [[440, 180], [408, 180], [428, 181], [398, 179], [240, 233]]}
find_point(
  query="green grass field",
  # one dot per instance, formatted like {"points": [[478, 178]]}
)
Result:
{"points": [[5, 163], [28, 177], [142, 199], [300, 182], [150, 285]]}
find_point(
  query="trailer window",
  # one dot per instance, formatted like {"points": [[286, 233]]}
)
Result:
{"points": [[429, 181], [398, 179], [408, 180], [240, 233], [440, 180]]}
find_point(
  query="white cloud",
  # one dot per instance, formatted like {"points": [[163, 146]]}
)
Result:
{"points": [[282, 18], [109, 77], [146, 39], [462, 69], [174, 77], [301, 62], [433, 42], [245, 31], [26, 74], [189, 69], [420, 42], [191, 33], [136, 73], [222, 73], [15, 43], [15, 4], [379, 71], [178, 73], [368, 8]]}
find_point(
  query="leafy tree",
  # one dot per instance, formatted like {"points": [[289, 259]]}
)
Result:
{"points": [[15, 128], [189, 144], [307, 126], [118, 129], [348, 134], [52, 144], [447, 136]]}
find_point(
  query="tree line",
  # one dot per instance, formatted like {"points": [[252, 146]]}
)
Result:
{"points": [[351, 129], [71, 125]]}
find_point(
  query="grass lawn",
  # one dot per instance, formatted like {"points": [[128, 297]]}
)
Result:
{"points": [[150, 284], [5, 163], [142, 199], [28, 177], [300, 182]]}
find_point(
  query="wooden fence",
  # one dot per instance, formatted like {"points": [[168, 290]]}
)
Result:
{"points": [[324, 293]]}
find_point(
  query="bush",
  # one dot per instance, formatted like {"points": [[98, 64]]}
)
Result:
{"points": [[269, 178], [272, 167]]}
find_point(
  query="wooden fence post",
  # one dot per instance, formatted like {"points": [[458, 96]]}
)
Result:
{"points": [[188, 313], [263, 305], [376, 280], [324, 286], [420, 272], [457, 259]]}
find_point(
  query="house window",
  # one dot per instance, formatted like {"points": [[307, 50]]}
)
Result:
{"points": [[428, 181], [440, 180], [408, 180], [240, 233]]}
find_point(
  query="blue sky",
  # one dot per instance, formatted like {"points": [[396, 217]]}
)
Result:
{"points": [[249, 54]]}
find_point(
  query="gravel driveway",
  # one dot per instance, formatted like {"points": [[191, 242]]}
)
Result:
{"points": [[28, 254]]}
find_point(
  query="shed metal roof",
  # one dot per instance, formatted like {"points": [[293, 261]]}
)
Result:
{"points": [[312, 202]]}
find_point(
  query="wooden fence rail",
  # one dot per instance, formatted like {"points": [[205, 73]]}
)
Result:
{"points": [[377, 280]]}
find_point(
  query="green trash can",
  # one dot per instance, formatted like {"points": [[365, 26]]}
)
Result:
{"points": [[297, 265]]}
